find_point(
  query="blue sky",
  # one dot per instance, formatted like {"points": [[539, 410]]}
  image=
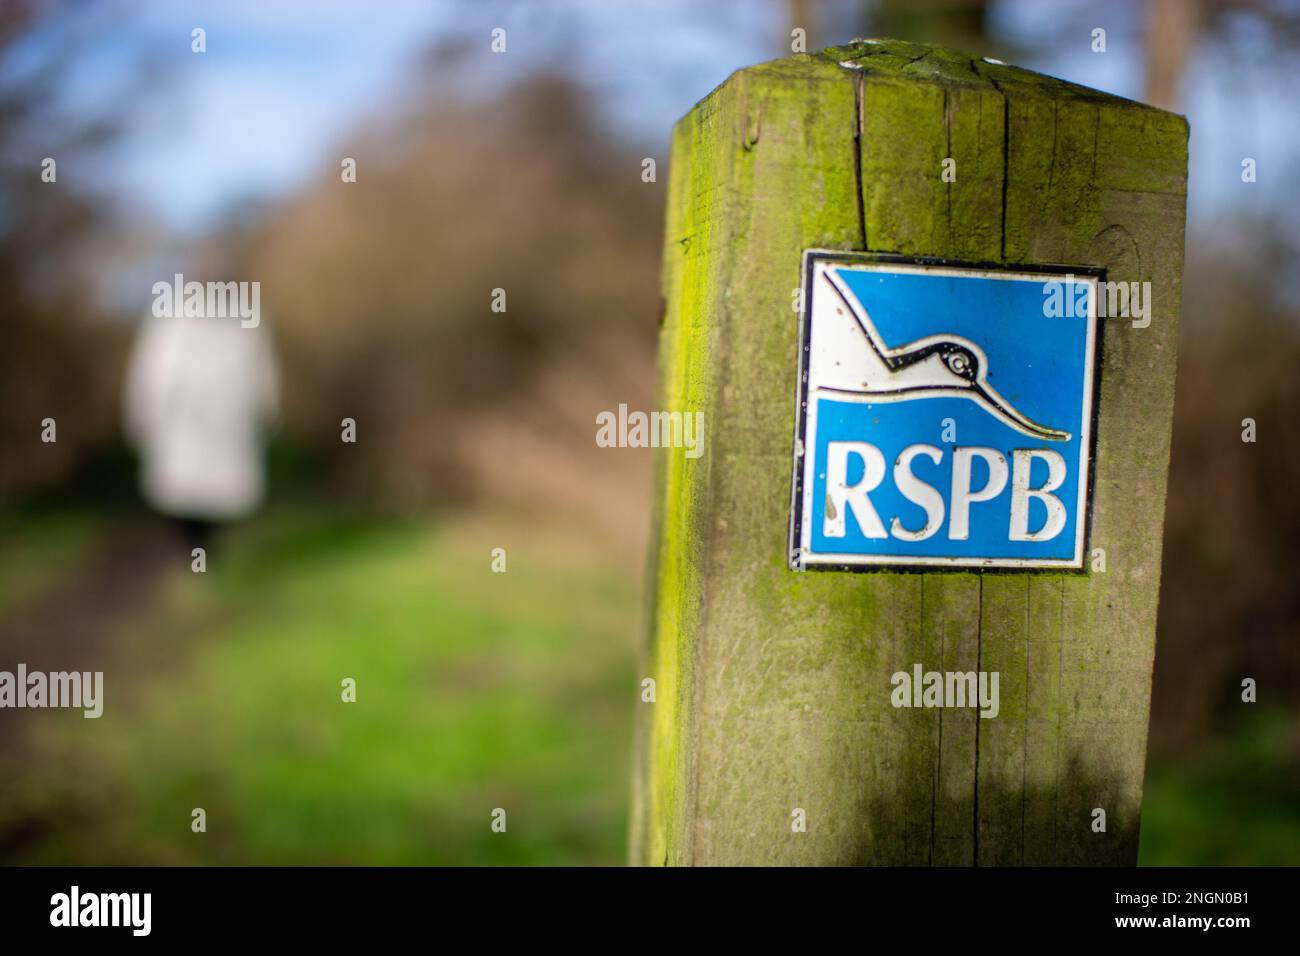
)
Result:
{"points": [[283, 83]]}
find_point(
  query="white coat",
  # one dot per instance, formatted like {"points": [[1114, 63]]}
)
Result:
{"points": [[200, 394]]}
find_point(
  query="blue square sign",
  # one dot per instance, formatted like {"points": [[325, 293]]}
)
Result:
{"points": [[945, 415]]}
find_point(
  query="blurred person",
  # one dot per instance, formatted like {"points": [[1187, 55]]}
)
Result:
{"points": [[200, 393]]}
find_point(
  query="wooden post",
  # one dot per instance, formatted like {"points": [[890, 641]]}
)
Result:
{"points": [[773, 685]]}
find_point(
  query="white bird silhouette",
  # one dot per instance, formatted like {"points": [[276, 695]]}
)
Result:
{"points": [[938, 365]]}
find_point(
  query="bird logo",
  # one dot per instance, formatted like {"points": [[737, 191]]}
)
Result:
{"points": [[936, 365]]}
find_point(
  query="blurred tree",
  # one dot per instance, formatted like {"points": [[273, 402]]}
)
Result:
{"points": [[58, 360], [961, 24], [382, 289], [1171, 34], [1229, 606]]}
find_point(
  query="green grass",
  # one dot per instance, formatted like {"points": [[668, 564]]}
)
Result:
{"points": [[38, 549], [475, 691], [1234, 802]]}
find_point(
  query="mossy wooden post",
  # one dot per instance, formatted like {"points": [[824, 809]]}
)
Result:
{"points": [[772, 686]]}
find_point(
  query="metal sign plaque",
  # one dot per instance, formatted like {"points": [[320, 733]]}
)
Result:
{"points": [[945, 415]]}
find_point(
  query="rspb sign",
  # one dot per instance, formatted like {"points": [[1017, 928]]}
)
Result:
{"points": [[945, 415]]}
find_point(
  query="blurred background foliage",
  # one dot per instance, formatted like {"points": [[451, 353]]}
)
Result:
{"points": [[522, 194], [478, 690]]}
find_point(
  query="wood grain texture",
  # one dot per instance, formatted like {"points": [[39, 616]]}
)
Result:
{"points": [[773, 687]]}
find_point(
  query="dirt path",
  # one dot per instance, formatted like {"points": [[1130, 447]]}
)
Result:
{"points": [[72, 626]]}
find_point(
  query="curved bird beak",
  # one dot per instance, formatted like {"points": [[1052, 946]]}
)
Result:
{"points": [[1004, 408]]}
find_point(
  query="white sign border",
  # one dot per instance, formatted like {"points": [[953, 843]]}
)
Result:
{"points": [[800, 538]]}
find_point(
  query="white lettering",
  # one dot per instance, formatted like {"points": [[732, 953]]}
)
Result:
{"points": [[841, 495]]}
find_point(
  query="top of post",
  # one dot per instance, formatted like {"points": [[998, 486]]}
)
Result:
{"points": [[901, 60]]}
